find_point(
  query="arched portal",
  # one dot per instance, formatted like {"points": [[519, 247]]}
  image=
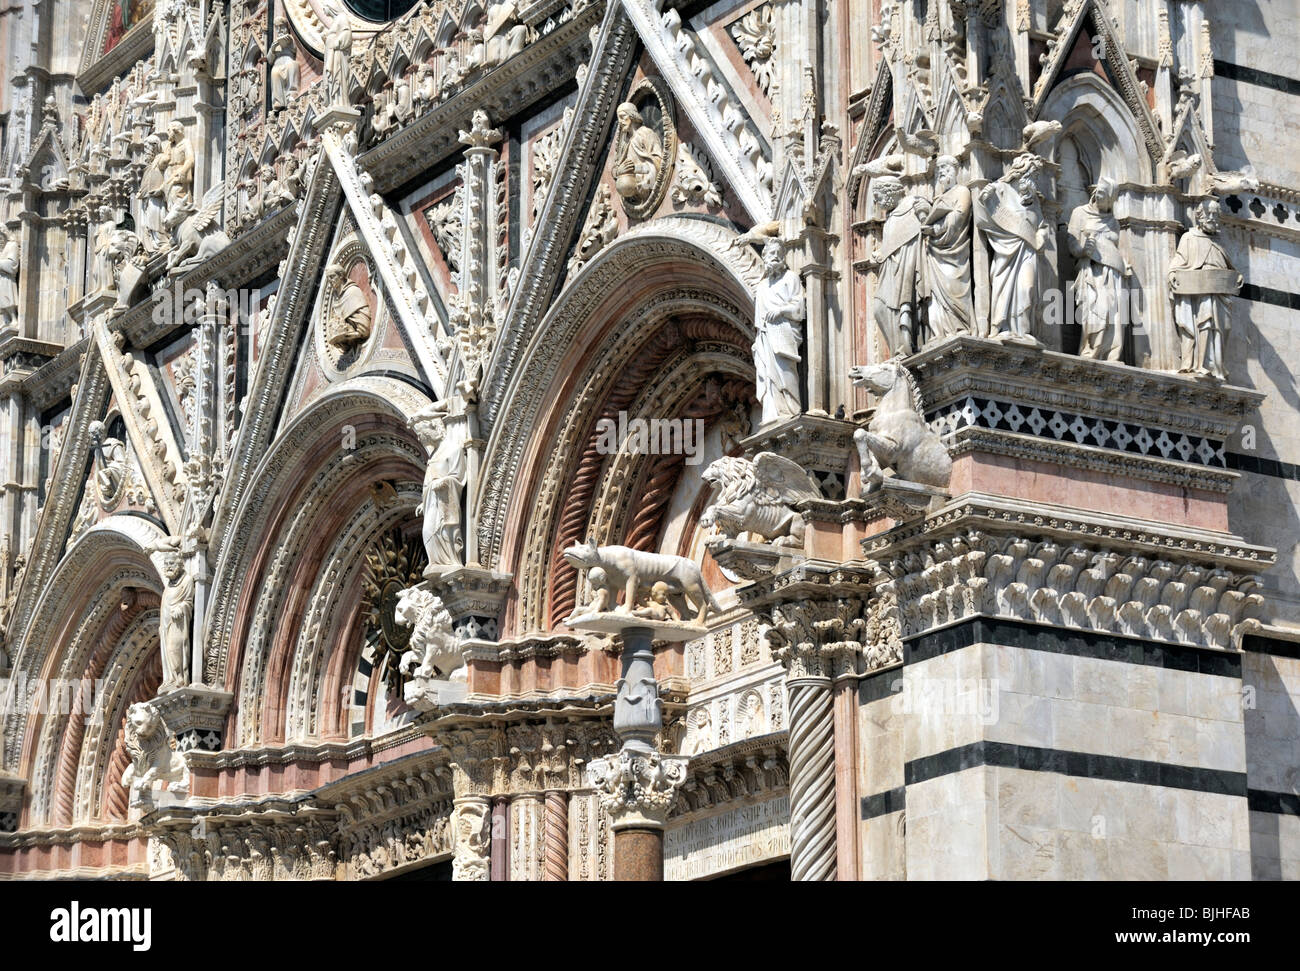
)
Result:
{"points": [[656, 328], [92, 649], [343, 473]]}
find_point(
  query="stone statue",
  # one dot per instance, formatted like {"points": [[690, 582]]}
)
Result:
{"points": [[274, 192], [658, 607], [284, 65], [897, 436], [112, 472], [443, 435], [756, 497], [338, 53], [1008, 214], [613, 568], [153, 195], [1200, 281], [129, 273], [945, 273], [154, 764], [779, 313], [175, 614], [351, 319], [1099, 286], [434, 651], [101, 271], [638, 155], [178, 182], [899, 260], [8, 280], [425, 91], [199, 235]]}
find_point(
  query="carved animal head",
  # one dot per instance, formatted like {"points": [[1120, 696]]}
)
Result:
{"points": [[733, 477], [878, 378], [412, 603], [145, 731], [582, 556]]}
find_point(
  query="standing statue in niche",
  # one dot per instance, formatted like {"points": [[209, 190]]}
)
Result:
{"points": [[153, 194], [178, 183], [101, 271], [1099, 286], [8, 280], [1201, 279], [778, 323], [899, 259], [284, 66], [338, 54], [638, 155], [443, 435], [946, 264], [175, 615], [1007, 212]]}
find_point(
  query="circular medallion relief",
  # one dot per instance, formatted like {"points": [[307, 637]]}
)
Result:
{"points": [[645, 147], [349, 307]]}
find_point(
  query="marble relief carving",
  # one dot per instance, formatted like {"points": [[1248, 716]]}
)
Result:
{"points": [[307, 322]]}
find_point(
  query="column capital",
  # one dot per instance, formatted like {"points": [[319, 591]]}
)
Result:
{"points": [[637, 788]]}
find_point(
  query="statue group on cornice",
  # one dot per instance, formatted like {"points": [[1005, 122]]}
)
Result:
{"points": [[925, 262]]}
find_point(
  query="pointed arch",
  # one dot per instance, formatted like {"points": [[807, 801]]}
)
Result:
{"points": [[1096, 119]]}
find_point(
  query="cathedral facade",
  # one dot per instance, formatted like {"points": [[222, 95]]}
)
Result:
{"points": [[591, 439]]}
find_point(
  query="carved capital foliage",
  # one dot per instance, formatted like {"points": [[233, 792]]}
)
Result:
{"points": [[638, 788], [822, 621], [817, 639]]}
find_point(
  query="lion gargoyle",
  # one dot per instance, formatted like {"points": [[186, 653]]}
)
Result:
{"points": [[897, 436], [155, 765], [611, 569], [757, 498]]}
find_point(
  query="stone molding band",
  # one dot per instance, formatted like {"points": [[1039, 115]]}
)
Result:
{"points": [[1083, 765], [1079, 643]]}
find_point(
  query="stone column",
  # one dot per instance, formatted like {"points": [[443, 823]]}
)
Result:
{"points": [[476, 758], [845, 706], [638, 785], [500, 868], [471, 819], [527, 836], [817, 625], [812, 778], [556, 863]]}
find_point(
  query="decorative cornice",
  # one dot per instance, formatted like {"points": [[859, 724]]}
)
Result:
{"points": [[1065, 525], [949, 571]]}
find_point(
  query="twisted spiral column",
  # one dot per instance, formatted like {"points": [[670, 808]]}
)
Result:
{"points": [[556, 863], [812, 780]]}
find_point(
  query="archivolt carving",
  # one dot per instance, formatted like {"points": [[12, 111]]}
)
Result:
{"points": [[610, 384], [323, 629], [363, 399], [87, 559], [669, 240], [269, 617]]}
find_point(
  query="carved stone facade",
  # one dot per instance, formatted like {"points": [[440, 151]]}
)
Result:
{"points": [[789, 431]]}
